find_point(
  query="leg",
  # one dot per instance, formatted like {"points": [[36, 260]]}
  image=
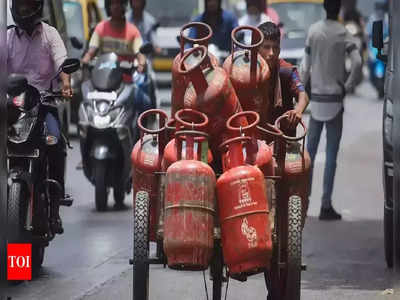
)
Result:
{"points": [[314, 135], [56, 158], [333, 136]]}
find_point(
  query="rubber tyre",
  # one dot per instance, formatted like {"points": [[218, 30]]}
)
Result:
{"points": [[17, 207], [141, 246], [216, 269], [293, 281], [101, 194], [388, 236]]}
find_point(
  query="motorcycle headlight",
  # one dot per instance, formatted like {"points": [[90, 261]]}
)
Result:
{"points": [[19, 131], [102, 107], [106, 121]]}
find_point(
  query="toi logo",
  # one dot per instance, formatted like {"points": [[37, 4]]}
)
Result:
{"points": [[19, 261]]}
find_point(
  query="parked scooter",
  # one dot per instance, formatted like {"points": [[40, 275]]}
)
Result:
{"points": [[107, 127], [31, 211]]}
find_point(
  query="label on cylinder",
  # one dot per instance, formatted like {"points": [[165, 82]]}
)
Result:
{"points": [[245, 199]]}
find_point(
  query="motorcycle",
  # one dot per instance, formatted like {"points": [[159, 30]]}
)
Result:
{"points": [[112, 101], [31, 210]]}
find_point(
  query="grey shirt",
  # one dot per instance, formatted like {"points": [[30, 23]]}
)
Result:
{"points": [[327, 45]]}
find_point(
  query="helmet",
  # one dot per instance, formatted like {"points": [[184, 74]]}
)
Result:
{"points": [[26, 13], [107, 5]]}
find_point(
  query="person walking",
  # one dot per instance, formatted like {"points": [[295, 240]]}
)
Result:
{"points": [[327, 44]]}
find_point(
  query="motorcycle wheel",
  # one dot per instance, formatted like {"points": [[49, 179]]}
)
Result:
{"points": [[17, 207], [101, 193]]}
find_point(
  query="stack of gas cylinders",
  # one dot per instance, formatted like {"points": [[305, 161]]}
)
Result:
{"points": [[215, 153]]}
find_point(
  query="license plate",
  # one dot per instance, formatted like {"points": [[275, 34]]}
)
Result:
{"points": [[102, 95]]}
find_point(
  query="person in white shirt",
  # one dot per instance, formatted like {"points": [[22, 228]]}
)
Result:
{"points": [[327, 45]]}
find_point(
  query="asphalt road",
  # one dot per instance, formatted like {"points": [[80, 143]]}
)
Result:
{"points": [[345, 259]]}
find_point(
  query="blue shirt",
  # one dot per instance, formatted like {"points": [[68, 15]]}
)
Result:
{"points": [[222, 32]]}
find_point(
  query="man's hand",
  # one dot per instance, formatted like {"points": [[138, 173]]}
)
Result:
{"points": [[67, 90], [141, 68], [294, 117]]}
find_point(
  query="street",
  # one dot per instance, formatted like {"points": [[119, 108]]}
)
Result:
{"points": [[345, 259]]}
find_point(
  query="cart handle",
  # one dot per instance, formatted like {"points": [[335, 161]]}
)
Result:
{"points": [[290, 138]]}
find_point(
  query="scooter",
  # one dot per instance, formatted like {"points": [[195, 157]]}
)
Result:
{"points": [[31, 208], [107, 126]]}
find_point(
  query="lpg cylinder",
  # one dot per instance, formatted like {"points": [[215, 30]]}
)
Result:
{"points": [[257, 152], [243, 213], [179, 82], [210, 91], [146, 161], [297, 162], [185, 119], [189, 208], [249, 72]]}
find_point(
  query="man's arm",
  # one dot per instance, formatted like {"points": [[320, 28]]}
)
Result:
{"points": [[305, 66], [94, 45], [301, 96], [59, 54]]}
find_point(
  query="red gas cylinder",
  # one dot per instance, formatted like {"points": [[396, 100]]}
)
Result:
{"points": [[249, 73], [243, 213], [210, 91], [185, 119], [179, 82], [189, 208], [146, 161], [296, 173], [257, 152]]}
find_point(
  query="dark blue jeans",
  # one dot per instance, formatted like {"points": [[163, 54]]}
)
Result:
{"points": [[333, 136]]}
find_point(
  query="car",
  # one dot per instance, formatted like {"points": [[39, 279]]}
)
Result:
{"points": [[53, 14], [295, 18], [387, 52], [82, 16]]}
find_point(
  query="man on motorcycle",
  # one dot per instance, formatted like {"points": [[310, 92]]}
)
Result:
{"points": [[254, 16], [221, 21], [36, 50], [116, 35]]}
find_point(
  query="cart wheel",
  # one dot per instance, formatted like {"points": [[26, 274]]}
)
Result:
{"points": [[388, 235], [216, 270], [293, 274], [141, 247]]}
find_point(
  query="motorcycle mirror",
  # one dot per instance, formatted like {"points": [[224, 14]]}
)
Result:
{"points": [[76, 43], [70, 65], [146, 48], [16, 84], [377, 34]]}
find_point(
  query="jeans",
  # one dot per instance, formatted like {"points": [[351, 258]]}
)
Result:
{"points": [[333, 135], [56, 154]]}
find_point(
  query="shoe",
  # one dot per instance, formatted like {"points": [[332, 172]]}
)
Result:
{"points": [[79, 166], [57, 226], [120, 206], [327, 214]]}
